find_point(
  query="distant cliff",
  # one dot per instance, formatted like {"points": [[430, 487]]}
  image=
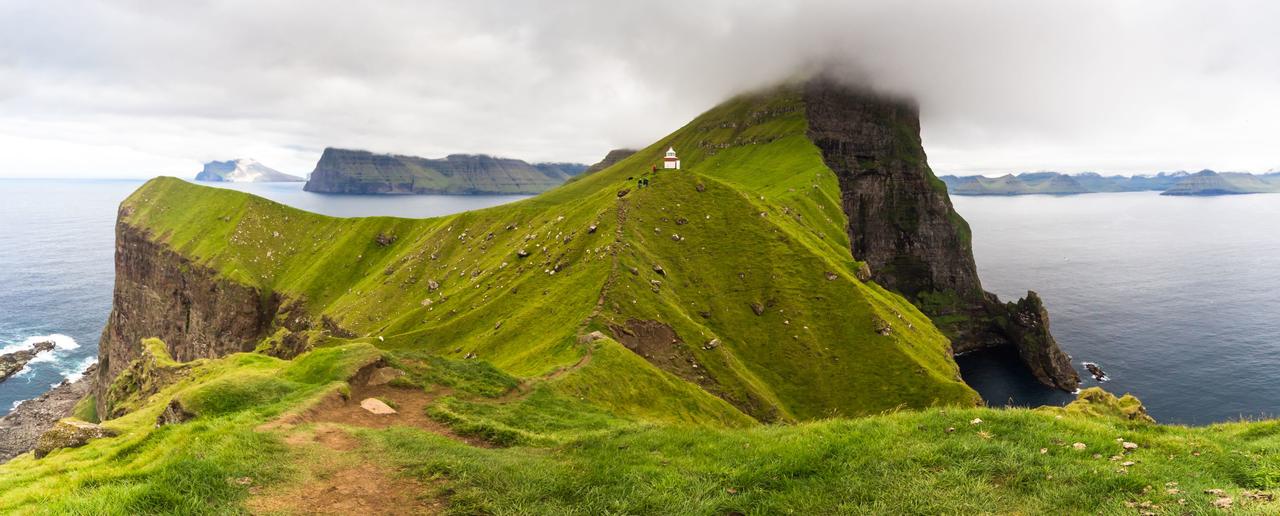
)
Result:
{"points": [[1055, 183], [610, 159], [243, 171], [1208, 182], [360, 172], [1205, 182]]}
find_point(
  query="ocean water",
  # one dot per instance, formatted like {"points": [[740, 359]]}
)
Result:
{"points": [[57, 262], [1176, 298]]}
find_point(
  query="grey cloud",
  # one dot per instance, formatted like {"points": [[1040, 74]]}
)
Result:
{"points": [[1003, 85]]}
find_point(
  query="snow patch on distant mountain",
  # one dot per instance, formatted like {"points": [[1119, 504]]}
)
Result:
{"points": [[243, 171]]}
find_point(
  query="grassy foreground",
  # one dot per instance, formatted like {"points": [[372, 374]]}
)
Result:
{"points": [[559, 455]]}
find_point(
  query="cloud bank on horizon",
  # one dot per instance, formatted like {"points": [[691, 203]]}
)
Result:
{"points": [[134, 88]]}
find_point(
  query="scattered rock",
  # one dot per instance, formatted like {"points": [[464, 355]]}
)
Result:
{"points": [[1096, 371], [712, 344], [432, 285], [676, 237], [623, 192], [376, 406], [831, 276], [470, 355], [384, 375], [591, 337], [976, 421], [1127, 463], [680, 221], [1128, 446], [881, 326], [658, 269], [69, 433], [700, 187], [1079, 446], [757, 308], [591, 229], [384, 239], [635, 271], [863, 273], [951, 429], [1223, 503], [523, 253], [1215, 492], [174, 413]]}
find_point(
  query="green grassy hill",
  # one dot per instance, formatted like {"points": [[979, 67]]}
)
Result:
{"points": [[603, 348]]}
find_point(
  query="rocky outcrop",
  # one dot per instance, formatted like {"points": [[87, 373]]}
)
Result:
{"points": [[610, 159], [20, 430], [360, 172], [162, 294], [11, 363], [903, 226], [1028, 328], [69, 433]]}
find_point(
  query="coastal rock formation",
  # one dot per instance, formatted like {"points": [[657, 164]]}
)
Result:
{"points": [[902, 224], [1028, 328], [11, 363], [361, 172], [243, 171], [162, 294], [612, 157], [21, 428]]}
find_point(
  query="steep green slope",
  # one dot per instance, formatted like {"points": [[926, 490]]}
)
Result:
{"points": [[733, 274]]}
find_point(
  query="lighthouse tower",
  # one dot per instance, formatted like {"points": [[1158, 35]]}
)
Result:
{"points": [[671, 160]]}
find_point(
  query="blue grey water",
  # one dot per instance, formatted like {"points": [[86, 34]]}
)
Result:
{"points": [[57, 265], [1176, 298]]}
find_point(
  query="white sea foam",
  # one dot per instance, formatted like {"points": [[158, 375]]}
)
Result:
{"points": [[76, 371], [59, 340]]}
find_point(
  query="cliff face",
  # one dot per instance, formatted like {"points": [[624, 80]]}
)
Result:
{"points": [[902, 224], [360, 172], [159, 293]]}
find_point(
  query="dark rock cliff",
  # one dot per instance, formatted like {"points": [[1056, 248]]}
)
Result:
{"points": [[361, 172], [902, 224], [159, 293]]}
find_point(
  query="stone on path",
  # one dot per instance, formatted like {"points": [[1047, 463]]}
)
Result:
{"points": [[376, 406]]}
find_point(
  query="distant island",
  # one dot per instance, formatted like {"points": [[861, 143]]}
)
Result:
{"points": [[1205, 182], [243, 171], [344, 171]]}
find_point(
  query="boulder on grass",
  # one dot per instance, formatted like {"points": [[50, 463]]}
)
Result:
{"points": [[69, 433]]}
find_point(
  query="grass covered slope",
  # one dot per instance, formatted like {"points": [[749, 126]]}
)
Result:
{"points": [[733, 275], [560, 455]]}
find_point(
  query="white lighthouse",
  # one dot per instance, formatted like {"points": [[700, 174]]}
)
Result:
{"points": [[671, 160]]}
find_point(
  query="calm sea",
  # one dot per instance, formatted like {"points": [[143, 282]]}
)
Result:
{"points": [[57, 264], [1177, 299]]}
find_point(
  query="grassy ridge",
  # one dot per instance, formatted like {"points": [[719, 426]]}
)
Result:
{"points": [[752, 224]]}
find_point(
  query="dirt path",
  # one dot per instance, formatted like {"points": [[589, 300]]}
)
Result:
{"points": [[337, 477], [339, 480]]}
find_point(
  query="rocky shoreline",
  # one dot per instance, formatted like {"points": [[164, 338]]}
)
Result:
{"points": [[20, 430], [12, 363]]}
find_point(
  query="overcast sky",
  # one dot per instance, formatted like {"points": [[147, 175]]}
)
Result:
{"points": [[141, 88]]}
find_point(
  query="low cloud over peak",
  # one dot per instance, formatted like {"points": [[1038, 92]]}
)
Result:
{"points": [[144, 88]]}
